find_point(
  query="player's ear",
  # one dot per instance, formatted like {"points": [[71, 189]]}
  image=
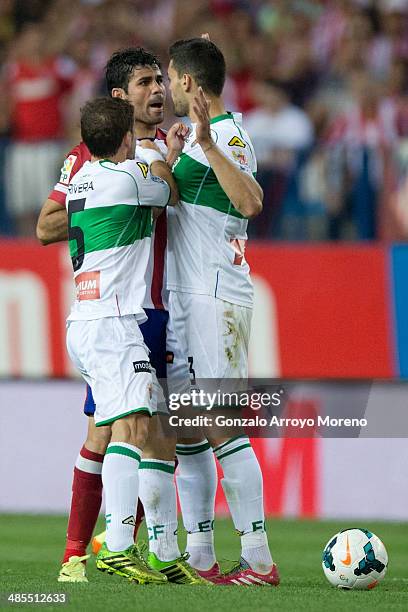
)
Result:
{"points": [[128, 141], [187, 82], [118, 92]]}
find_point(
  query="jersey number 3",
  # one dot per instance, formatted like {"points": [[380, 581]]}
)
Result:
{"points": [[76, 233]]}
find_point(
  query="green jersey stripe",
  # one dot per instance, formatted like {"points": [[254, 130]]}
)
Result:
{"points": [[198, 185], [109, 227]]}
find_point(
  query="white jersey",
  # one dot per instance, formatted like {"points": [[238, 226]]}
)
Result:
{"points": [[206, 234], [109, 232]]}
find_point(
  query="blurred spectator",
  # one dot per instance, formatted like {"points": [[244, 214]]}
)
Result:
{"points": [[359, 142], [280, 132], [36, 85], [322, 84], [392, 40], [277, 127], [7, 25], [85, 81]]}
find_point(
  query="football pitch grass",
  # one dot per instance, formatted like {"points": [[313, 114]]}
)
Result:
{"points": [[31, 547]]}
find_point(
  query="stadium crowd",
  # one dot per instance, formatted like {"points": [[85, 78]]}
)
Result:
{"points": [[323, 85]]}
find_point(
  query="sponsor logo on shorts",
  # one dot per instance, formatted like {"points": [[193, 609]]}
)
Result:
{"points": [[130, 520], [141, 366], [169, 357], [66, 169], [88, 286]]}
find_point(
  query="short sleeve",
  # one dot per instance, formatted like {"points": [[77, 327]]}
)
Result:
{"points": [[72, 163], [152, 190], [237, 146]]}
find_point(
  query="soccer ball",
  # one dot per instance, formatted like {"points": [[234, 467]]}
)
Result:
{"points": [[354, 559]]}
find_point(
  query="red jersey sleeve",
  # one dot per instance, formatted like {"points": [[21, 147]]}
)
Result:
{"points": [[161, 134], [72, 163]]}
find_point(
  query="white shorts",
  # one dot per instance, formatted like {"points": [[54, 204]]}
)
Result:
{"points": [[209, 339], [113, 359]]}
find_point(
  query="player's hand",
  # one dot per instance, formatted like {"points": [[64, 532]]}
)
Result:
{"points": [[201, 108], [176, 136], [146, 143]]}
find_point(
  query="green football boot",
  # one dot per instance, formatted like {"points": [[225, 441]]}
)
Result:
{"points": [[177, 571], [130, 564], [74, 570]]}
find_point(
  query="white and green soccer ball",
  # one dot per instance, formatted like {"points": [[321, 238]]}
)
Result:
{"points": [[355, 559]]}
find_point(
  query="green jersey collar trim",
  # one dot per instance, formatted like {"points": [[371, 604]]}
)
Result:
{"points": [[102, 161], [221, 117]]}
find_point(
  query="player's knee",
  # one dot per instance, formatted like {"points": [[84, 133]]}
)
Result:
{"points": [[132, 429], [160, 447], [98, 438], [140, 430]]}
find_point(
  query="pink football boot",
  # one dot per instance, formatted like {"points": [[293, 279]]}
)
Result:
{"points": [[242, 575]]}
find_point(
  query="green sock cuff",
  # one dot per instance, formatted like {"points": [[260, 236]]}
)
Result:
{"points": [[192, 449], [160, 466], [118, 449], [230, 441], [232, 446]]}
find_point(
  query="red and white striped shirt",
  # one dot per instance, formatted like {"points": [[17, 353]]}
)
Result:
{"points": [[36, 93]]}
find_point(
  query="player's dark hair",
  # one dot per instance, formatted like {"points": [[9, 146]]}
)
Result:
{"points": [[120, 66], [203, 60], [104, 123]]}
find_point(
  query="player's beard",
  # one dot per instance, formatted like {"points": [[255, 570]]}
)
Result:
{"points": [[149, 118], [181, 108]]}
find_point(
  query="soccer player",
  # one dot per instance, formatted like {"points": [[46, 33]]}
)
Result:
{"points": [[211, 293], [110, 225], [135, 75]]}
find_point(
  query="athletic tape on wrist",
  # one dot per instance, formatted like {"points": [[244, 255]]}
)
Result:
{"points": [[148, 155]]}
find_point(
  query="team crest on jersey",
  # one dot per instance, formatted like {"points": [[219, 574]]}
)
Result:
{"points": [[144, 168], [240, 157], [66, 169], [237, 142]]}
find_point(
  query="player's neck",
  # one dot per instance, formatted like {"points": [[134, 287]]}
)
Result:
{"points": [[217, 108], [120, 157], [142, 130]]}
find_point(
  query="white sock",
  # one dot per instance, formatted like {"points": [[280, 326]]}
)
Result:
{"points": [[243, 488], [157, 492], [120, 483], [255, 551], [197, 484]]}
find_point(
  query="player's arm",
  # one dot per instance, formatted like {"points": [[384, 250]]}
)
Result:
{"points": [[158, 167], [52, 224], [241, 188]]}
